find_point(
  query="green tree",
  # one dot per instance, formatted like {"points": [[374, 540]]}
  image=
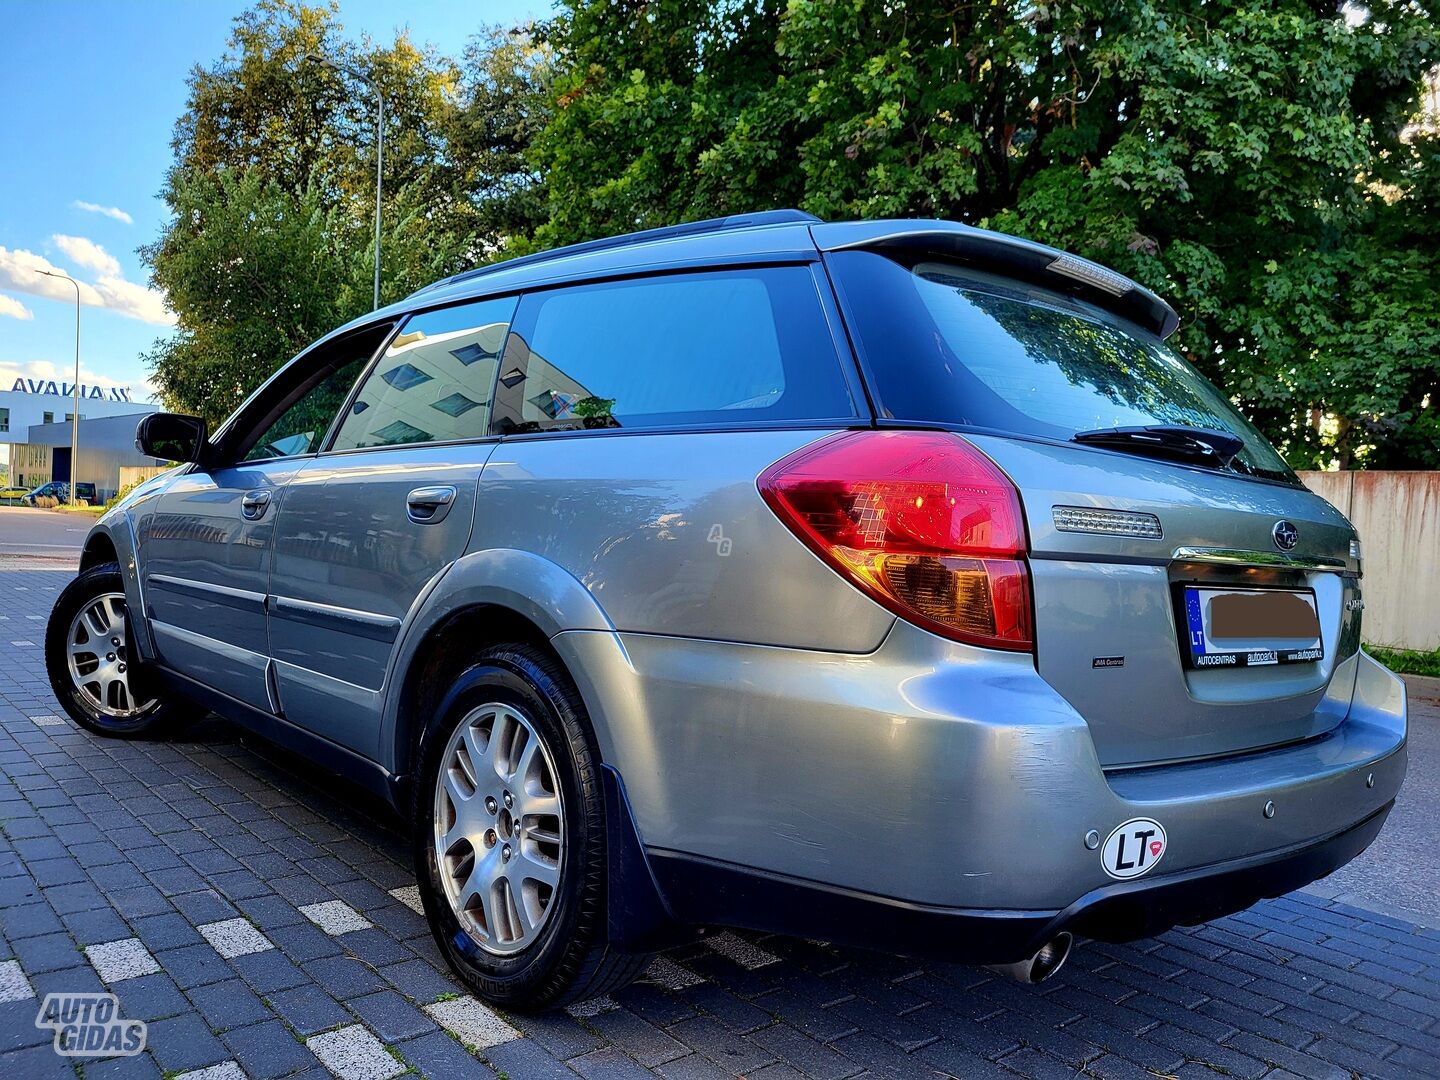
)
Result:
{"points": [[1244, 160], [503, 105], [272, 199]]}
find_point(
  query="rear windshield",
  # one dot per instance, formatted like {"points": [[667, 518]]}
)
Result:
{"points": [[951, 345]]}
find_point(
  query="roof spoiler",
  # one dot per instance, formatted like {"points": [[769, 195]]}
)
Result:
{"points": [[1008, 255]]}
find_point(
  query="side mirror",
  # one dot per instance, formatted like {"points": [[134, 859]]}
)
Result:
{"points": [[171, 436]]}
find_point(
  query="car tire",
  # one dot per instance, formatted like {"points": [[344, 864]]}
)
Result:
{"points": [[509, 839], [105, 690]]}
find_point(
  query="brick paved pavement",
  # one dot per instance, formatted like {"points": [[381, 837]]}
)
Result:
{"points": [[262, 925]]}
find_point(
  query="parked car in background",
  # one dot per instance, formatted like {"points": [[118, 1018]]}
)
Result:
{"points": [[891, 583], [60, 490], [12, 493]]}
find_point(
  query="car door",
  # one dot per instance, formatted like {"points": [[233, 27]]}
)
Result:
{"points": [[367, 525], [205, 549]]}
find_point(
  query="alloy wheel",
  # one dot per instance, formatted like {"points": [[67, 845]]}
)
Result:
{"points": [[97, 658], [499, 828]]}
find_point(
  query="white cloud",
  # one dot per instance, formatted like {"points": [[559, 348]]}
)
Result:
{"points": [[14, 308], [88, 254], [19, 272], [109, 211]]}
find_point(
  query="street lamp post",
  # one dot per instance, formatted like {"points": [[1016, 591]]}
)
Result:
{"points": [[74, 416], [324, 61]]}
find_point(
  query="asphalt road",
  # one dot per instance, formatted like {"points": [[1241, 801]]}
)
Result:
{"points": [[1400, 872], [43, 533]]}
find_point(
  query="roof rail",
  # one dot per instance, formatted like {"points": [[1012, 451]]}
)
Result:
{"points": [[689, 228]]}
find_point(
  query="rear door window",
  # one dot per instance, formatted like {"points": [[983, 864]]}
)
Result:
{"points": [[732, 348], [434, 381]]}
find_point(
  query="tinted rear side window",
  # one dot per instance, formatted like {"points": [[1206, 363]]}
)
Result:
{"points": [[433, 383], [953, 345], [732, 348]]}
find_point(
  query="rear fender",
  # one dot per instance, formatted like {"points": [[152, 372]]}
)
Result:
{"points": [[544, 593]]}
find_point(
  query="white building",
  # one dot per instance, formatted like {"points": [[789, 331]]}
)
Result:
{"points": [[35, 419]]}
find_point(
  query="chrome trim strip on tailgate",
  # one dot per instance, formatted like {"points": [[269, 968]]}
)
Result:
{"points": [[1240, 557]]}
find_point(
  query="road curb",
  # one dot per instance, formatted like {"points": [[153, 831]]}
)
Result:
{"points": [[1424, 687]]}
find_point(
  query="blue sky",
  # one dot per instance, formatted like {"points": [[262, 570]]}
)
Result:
{"points": [[91, 90]]}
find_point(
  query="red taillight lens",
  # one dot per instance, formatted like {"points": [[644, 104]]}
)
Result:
{"points": [[922, 521]]}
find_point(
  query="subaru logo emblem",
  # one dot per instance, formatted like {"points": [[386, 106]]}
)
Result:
{"points": [[1286, 535]]}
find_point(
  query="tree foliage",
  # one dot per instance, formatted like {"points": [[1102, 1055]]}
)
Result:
{"points": [[1245, 160], [273, 190], [1256, 164]]}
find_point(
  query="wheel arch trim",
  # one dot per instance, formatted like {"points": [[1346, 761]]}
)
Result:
{"points": [[520, 582], [117, 531]]}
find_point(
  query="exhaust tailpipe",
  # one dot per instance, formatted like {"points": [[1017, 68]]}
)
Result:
{"points": [[1047, 961]]}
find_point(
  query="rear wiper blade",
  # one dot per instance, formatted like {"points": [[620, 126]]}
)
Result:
{"points": [[1207, 445]]}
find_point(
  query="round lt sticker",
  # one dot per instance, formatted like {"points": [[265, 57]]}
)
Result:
{"points": [[1133, 848]]}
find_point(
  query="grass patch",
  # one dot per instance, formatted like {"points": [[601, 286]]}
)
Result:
{"points": [[1407, 661]]}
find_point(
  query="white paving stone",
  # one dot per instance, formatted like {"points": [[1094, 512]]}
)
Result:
{"points": [[592, 1007], [22, 643], [124, 959], [352, 1053], [49, 720], [741, 951], [471, 1022], [228, 1070], [336, 917], [235, 937], [13, 984], [409, 895], [670, 975]]}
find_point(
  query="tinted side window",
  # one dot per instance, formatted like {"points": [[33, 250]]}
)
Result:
{"points": [[736, 347], [433, 384], [299, 429]]}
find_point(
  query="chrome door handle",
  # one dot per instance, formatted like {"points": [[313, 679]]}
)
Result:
{"points": [[253, 505], [427, 505]]}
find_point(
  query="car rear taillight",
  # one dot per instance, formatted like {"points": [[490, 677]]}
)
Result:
{"points": [[921, 521]]}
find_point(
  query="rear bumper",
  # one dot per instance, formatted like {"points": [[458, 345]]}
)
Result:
{"points": [[705, 892], [939, 787]]}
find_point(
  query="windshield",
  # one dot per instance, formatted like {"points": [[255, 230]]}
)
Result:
{"points": [[949, 344]]}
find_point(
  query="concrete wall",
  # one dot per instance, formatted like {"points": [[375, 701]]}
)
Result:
{"points": [[1397, 515]]}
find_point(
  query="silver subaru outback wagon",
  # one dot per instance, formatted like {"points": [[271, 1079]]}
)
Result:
{"points": [[891, 583]]}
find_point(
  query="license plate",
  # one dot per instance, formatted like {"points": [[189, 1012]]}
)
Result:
{"points": [[1251, 627]]}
